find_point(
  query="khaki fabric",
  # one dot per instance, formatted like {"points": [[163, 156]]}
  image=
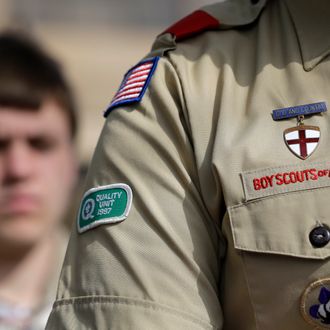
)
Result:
{"points": [[195, 252]]}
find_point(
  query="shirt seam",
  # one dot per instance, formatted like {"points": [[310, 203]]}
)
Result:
{"points": [[237, 207], [186, 116], [120, 300]]}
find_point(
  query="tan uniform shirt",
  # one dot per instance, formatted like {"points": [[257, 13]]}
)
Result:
{"points": [[218, 234]]}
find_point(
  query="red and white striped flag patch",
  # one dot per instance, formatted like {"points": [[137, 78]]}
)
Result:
{"points": [[134, 84]]}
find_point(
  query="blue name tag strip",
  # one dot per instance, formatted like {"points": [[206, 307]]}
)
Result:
{"points": [[134, 84], [300, 110]]}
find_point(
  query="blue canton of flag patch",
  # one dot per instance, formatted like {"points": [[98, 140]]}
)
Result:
{"points": [[134, 85]]}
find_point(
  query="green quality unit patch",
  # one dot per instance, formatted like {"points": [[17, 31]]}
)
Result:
{"points": [[104, 205]]}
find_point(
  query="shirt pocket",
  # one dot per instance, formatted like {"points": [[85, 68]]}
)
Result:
{"points": [[281, 224]]}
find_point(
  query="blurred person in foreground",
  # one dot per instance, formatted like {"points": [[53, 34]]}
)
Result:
{"points": [[38, 171], [207, 201]]}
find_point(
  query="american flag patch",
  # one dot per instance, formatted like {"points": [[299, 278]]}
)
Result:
{"points": [[134, 85]]}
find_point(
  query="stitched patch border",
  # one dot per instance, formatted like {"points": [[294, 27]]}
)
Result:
{"points": [[134, 84], [304, 305], [104, 205]]}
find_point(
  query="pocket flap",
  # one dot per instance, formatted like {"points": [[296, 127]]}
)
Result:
{"points": [[281, 224]]}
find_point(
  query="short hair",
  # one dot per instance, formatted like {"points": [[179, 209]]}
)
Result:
{"points": [[28, 76]]}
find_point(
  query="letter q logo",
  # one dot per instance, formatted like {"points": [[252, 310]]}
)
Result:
{"points": [[88, 209]]}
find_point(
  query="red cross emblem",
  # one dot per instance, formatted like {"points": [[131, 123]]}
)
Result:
{"points": [[302, 140]]}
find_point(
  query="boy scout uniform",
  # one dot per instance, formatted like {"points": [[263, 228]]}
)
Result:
{"points": [[227, 216]]}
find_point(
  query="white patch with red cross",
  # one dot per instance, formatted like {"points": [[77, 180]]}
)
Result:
{"points": [[302, 140]]}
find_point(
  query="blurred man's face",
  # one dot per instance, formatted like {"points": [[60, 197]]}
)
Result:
{"points": [[37, 172]]}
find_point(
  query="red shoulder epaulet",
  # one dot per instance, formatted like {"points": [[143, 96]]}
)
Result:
{"points": [[193, 24]]}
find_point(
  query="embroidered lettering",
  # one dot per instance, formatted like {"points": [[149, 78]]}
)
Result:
{"points": [[272, 181], [287, 178]]}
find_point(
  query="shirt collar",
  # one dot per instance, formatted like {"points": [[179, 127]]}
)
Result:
{"points": [[312, 22]]}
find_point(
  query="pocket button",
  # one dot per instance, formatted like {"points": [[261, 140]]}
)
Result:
{"points": [[319, 236]]}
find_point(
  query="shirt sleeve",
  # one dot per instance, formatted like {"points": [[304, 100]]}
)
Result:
{"points": [[159, 268]]}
